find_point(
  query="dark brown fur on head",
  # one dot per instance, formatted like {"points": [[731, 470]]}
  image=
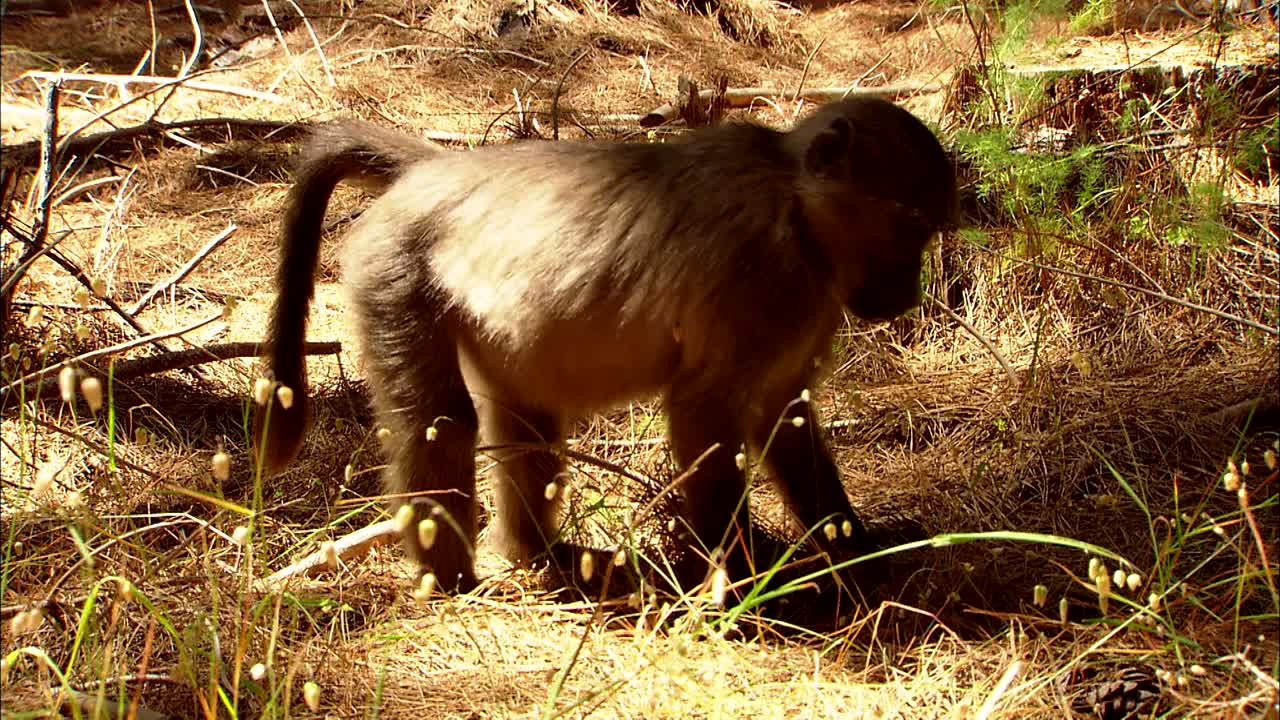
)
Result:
{"points": [[512, 289]]}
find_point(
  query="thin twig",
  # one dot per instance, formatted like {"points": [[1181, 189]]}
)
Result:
{"points": [[48, 154], [804, 73], [1222, 314], [555, 99], [23, 303], [185, 270], [197, 42], [84, 280], [315, 41], [159, 80], [1013, 377], [40, 225], [865, 75], [24, 153], [1000, 689]]}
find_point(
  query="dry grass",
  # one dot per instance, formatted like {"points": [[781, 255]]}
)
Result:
{"points": [[1113, 435]]}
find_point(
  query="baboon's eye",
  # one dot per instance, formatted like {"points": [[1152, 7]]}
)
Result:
{"points": [[909, 223]]}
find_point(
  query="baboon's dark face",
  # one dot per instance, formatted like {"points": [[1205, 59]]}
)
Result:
{"points": [[878, 188], [891, 284]]}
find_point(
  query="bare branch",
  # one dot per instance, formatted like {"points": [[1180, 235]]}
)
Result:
{"points": [[347, 547], [53, 369], [185, 270], [172, 360], [1013, 377]]}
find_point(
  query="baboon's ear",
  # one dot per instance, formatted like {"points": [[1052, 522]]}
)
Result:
{"points": [[828, 154]]}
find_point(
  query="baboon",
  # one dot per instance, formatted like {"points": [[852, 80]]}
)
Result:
{"points": [[512, 289]]}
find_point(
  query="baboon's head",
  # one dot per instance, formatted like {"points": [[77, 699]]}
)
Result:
{"points": [[877, 187]]}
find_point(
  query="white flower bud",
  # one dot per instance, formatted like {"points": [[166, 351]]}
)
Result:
{"points": [[261, 391], [44, 478], [404, 517], [311, 694], [427, 530], [426, 586], [719, 586], [221, 463], [91, 388], [67, 384]]}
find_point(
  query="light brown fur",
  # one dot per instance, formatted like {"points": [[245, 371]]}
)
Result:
{"points": [[513, 289]]}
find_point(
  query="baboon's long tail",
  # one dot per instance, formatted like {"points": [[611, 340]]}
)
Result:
{"points": [[335, 152]]}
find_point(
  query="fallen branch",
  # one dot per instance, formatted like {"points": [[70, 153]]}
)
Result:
{"points": [[101, 352], [743, 97], [121, 140], [124, 81], [47, 386], [347, 547]]}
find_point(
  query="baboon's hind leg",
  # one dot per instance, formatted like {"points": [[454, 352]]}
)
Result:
{"points": [[420, 396]]}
